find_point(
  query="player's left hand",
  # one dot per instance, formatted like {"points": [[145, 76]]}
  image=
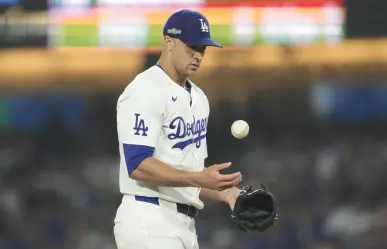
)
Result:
{"points": [[255, 209], [230, 196]]}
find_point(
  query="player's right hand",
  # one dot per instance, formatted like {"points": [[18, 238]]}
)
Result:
{"points": [[211, 178]]}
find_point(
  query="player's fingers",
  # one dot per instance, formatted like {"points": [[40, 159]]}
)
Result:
{"points": [[222, 166], [237, 181], [227, 185], [230, 177]]}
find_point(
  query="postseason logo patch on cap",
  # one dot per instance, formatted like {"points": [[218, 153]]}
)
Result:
{"points": [[174, 31]]}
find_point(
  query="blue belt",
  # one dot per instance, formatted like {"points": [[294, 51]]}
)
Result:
{"points": [[188, 210]]}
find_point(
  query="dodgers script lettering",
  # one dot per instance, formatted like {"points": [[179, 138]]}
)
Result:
{"points": [[194, 132]]}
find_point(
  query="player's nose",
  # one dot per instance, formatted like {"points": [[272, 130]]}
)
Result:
{"points": [[198, 56]]}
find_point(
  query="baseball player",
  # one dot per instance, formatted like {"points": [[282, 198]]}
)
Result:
{"points": [[162, 120]]}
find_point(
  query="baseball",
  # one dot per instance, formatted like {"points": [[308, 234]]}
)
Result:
{"points": [[240, 129]]}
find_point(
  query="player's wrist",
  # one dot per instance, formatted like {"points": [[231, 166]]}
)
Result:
{"points": [[193, 179], [229, 195]]}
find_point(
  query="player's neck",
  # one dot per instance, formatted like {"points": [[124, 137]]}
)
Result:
{"points": [[171, 71]]}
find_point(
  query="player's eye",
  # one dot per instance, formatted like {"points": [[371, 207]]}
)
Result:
{"points": [[199, 49]]}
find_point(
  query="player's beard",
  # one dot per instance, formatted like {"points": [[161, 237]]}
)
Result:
{"points": [[190, 71], [186, 71]]}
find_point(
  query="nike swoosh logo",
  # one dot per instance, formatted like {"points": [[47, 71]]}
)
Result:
{"points": [[174, 98]]}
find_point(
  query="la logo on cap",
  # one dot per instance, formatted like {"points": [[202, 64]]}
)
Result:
{"points": [[204, 26]]}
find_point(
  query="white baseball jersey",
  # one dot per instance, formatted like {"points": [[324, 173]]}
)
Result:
{"points": [[156, 115]]}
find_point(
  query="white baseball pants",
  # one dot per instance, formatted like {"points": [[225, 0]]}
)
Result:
{"points": [[142, 225]]}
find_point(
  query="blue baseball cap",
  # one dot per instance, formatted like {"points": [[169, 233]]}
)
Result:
{"points": [[191, 27]]}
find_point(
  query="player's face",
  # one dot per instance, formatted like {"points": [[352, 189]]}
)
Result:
{"points": [[187, 58]]}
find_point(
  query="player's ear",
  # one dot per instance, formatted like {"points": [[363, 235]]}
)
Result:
{"points": [[169, 43]]}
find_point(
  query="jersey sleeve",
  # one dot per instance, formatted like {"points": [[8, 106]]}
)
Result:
{"points": [[140, 116], [139, 123]]}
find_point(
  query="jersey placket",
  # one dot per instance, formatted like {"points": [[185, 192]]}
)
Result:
{"points": [[192, 127], [193, 147]]}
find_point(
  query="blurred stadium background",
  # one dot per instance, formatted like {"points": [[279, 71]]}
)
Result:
{"points": [[308, 75]]}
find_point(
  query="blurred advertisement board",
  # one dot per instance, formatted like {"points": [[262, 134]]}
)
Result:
{"points": [[23, 25], [35, 112], [8, 2], [343, 102], [122, 3], [106, 23]]}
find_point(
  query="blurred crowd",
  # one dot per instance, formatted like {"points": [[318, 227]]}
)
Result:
{"points": [[59, 185]]}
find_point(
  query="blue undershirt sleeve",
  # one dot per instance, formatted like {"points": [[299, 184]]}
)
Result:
{"points": [[135, 155]]}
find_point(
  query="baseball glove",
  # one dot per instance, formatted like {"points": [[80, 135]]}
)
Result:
{"points": [[255, 210]]}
